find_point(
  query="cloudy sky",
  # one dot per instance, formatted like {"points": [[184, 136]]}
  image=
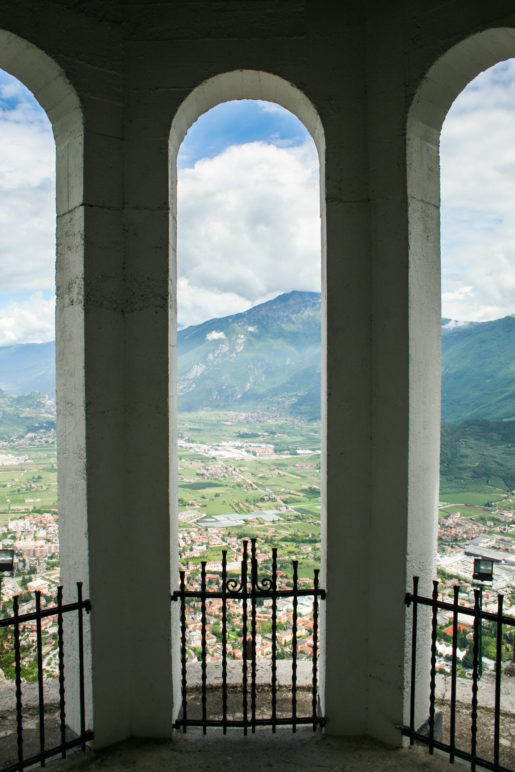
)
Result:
{"points": [[478, 199], [248, 208], [27, 217]]}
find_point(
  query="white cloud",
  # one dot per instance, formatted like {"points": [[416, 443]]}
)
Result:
{"points": [[215, 335], [249, 224], [29, 321], [248, 228], [478, 197], [27, 193]]}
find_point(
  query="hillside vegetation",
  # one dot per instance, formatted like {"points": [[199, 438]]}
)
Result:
{"points": [[26, 414], [268, 359], [478, 370]]}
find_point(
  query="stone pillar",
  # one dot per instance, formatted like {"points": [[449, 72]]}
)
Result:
{"points": [[345, 474]]}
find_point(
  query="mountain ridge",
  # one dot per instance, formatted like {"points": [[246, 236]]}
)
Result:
{"points": [[26, 368], [257, 358], [269, 357]]}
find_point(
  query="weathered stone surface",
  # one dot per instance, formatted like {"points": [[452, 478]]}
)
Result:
{"points": [[303, 752]]}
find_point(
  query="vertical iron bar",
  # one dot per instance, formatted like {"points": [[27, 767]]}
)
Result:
{"points": [[454, 667], [294, 648], [480, 663], [183, 651], [475, 673], [434, 623], [244, 591], [413, 659], [39, 645], [60, 641], [314, 697], [498, 670], [82, 700], [204, 652], [274, 637], [253, 632], [224, 640], [17, 672]]}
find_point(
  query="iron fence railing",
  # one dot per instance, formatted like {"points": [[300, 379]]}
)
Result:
{"points": [[478, 616], [18, 624], [259, 705]]}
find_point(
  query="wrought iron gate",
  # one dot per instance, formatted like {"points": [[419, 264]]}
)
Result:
{"points": [[239, 640], [490, 758], [52, 737]]}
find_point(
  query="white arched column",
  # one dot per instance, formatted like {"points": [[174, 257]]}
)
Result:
{"points": [[239, 84], [441, 85], [89, 370], [47, 81]]}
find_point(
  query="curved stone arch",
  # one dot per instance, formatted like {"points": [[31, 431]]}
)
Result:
{"points": [[228, 86], [441, 85], [48, 83], [242, 84], [454, 70], [245, 84], [52, 89], [54, 92]]}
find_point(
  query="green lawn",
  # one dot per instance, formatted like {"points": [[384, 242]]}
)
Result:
{"points": [[30, 485], [472, 498]]}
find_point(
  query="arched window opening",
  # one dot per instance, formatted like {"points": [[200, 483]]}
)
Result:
{"points": [[248, 374], [28, 458], [464, 321], [41, 173], [478, 324], [248, 296], [476, 506]]}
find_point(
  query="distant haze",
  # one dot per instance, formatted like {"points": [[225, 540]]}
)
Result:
{"points": [[268, 357]]}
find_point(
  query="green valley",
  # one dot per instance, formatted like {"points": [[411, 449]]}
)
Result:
{"points": [[249, 449]]}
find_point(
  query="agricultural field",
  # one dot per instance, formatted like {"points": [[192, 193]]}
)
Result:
{"points": [[29, 485], [259, 481], [244, 475], [284, 433], [480, 497]]}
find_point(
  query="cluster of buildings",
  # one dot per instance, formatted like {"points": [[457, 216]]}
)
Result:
{"points": [[193, 549], [44, 436], [462, 541], [34, 537], [237, 648], [35, 541]]}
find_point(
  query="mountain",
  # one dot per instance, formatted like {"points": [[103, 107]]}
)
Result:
{"points": [[28, 367], [26, 414], [269, 356], [478, 370], [266, 357], [477, 454]]}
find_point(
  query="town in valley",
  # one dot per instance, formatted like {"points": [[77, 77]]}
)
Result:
{"points": [[242, 475]]}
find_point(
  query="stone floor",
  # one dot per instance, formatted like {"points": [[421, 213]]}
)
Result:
{"points": [[262, 751]]}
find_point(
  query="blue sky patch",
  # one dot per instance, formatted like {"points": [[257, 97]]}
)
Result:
{"points": [[236, 123]]}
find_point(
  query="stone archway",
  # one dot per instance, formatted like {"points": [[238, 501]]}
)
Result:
{"points": [[240, 84], [443, 82]]}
